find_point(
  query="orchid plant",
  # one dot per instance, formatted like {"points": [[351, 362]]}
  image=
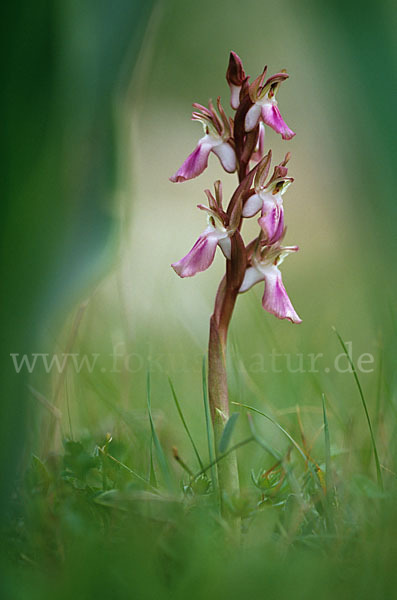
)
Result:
{"points": [[239, 145]]}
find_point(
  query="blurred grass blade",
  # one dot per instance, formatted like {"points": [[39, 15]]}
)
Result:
{"points": [[122, 466], [261, 443], [228, 432], [211, 451], [39, 477], [328, 474], [161, 458], [285, 432], [178, 407], [360, 390], [181, 462], [327, 446], [378, 391], [152, 472], [221, 456]]}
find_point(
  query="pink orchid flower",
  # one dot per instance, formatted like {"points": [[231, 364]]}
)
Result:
{"points": [[265, 106], [265, 267], [217, 139], [268, 199], [216, 234]]}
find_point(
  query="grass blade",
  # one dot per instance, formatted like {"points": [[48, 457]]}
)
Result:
{"points": [[221, 456], [152, 472], [181, 462], [228, 432], [327, 445], [211, 451], [161, 458], [178, 407], [261, 443], [285, 432], [328, 473], [123, 466], [360, 390]]}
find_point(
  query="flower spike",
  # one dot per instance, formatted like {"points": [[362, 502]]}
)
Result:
{"points": [[239, 145]]}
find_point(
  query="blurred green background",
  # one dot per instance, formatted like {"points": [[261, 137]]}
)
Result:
{"points": [[96, 107]]}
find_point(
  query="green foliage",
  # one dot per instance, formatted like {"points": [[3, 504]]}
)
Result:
{"points": [[208, 425], [360, 391], [112, 515], [90, 501], [180, 413], [162, 460], [227, 433]]}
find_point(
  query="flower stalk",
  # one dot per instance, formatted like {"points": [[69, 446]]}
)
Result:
{"points": [[239, 145]]}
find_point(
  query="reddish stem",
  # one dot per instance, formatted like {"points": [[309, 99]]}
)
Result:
{"points": [[224, 305]]}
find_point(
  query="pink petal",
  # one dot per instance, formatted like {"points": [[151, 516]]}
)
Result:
{"points": [[251, 277], [252, 117], [275, 299], [226, 154], [252, 206], [200, 256], [272, 222], [234, 95], [225, 245], [195, 163], [272, 117]]}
